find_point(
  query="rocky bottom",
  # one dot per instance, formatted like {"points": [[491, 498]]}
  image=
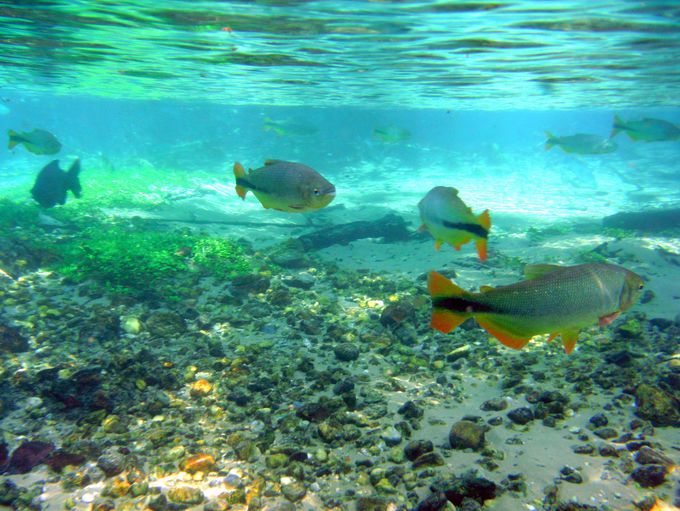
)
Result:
{"points": [[317, 388]]}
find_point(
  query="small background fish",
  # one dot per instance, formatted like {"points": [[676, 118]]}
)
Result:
{"points": [[581, 143], [285, 186], [646, 130], [37, 141]]}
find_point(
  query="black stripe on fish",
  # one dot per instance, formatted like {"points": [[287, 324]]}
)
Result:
{"points": [[458, 304], [475, 229], [247, 184]]}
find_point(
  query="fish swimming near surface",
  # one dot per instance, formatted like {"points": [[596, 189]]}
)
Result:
{"points": [[37, 141], [288, 128], [646, 130], [52, 184], [285, 186], [581, 143], [449, 220], [554, 300], [391, 134]]}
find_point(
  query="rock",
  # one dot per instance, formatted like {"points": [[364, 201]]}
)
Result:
{"points": [[372, 504], [599, 420], [251, 283], [314, 412], [60, 459], [166, 324], [346, 352], [466, 435], [4, 457], [302, 280], [494, 405], [433, 502], [343, 386], [200, 388], [28, 455], [584, 449], [11, 340], [605, 433], [429, 459], [290, 254], [657, 406], [111, 462], [187, 495], [608, 451], [391, 436], [648, 456], [396, 313], [649, 476], [417, 448], [468, 486], [571, 475], [410, 410], [521, 415], [458, 353], [198, 463], [294, 491]]}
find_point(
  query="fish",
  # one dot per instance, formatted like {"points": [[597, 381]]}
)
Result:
{"points": [[554, 300], [37, 141], [52, 184], [581, 143], [446, 217], [391, 134], [288, 128], [646, 130], [285, 186]]}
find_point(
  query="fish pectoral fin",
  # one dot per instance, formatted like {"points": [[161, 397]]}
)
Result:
{"points": [[569, 338], [608, 319], [532, 271], [458, 245], [499, 332], [445, 320], [437, 245]]}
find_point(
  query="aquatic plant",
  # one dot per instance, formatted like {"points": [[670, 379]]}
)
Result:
{"points": [[219, 257], [139, 262]]}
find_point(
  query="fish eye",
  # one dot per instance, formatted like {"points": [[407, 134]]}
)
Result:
{"points": [[316, 191], [641, 287]]}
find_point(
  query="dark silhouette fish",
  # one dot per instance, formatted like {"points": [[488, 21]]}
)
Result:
{"points": [[52, 184]]}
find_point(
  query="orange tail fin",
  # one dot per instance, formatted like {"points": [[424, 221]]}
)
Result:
{"points": [[439, 286], [481, 249], [240, 173]]}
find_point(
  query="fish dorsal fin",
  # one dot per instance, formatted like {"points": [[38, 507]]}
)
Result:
{"points": [[267, 163], [486, 289], [532, 271], [438, 285]]}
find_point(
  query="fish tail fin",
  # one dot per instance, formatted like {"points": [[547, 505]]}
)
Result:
{"points": [[485, 219], [443, 319], [13, 139], [239, 174], [617, 126], [73, 175], [550, 141]]}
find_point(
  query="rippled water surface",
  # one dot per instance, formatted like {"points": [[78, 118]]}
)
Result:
{"points": [[458, 54]]}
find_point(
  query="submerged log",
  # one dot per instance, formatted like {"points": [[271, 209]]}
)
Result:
{"points": [[390, 228], [652, 220]]}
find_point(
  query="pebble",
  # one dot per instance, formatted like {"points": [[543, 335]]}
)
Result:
{"points": [[521, 415], [649, 476], [346, 352], [391, 436], [648, 456], [410, 410], [429, 459], [599, 420], [494, 405], [417, 448], [466, 435], [186, 495], [606, 433]]}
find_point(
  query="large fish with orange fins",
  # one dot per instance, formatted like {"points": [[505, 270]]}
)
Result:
{"points": [[555, 300], [449, 220]]}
